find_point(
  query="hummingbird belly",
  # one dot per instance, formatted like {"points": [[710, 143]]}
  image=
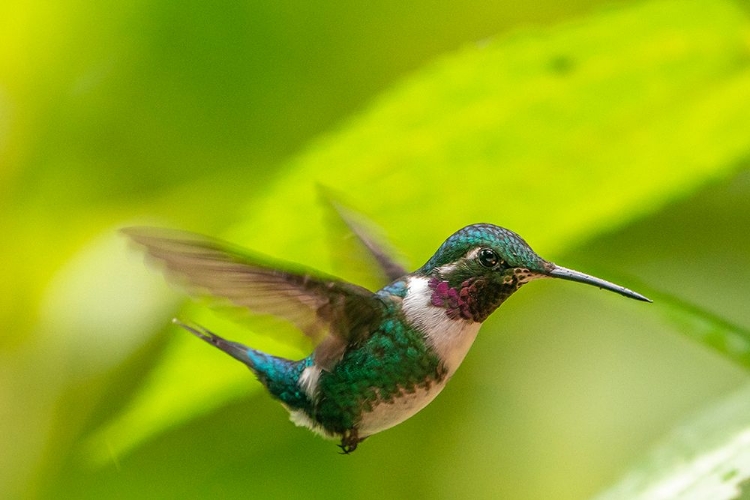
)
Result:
{"points": [[383, 415], [388, 414]]}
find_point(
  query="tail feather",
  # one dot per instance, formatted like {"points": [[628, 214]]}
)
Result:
{"points": [[234, 349], [280, 376]]}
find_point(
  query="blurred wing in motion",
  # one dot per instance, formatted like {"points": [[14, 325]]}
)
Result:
{"points": [[356, 240], [392, 269], [326, 309]]}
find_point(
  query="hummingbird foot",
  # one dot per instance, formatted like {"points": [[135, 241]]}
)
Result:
{"points": [[349, 441]]}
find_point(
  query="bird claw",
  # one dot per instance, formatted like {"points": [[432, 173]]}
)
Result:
{"points": [[349, 441]]}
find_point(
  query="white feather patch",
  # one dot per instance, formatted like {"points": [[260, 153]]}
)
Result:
{"points": [[308, 381], [302, 419]]}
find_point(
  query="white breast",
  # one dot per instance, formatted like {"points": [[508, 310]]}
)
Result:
{"points": [[451, 338]]}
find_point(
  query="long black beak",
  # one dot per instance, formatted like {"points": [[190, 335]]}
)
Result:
{"points": [[569, 274]]}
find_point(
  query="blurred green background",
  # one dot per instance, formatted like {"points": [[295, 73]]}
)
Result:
{"points": [[615, 139]]}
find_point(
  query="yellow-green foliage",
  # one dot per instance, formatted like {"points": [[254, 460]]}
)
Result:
{"points": [[597, 139]]}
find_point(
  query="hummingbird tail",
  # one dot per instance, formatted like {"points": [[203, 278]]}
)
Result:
{"points": [[234, 349], [280, 376]]}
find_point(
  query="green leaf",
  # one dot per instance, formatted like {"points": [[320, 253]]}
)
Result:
{"points": [[706, 457], [560, 134]]}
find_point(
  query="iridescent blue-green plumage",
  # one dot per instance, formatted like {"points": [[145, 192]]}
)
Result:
{"points": [[394, 360], [515, 250], [381, 356]]}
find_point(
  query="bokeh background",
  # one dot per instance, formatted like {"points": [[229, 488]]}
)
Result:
{"points": [[615, 138]]}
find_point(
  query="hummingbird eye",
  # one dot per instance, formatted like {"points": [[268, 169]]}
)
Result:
{"points": [[488, 257]]}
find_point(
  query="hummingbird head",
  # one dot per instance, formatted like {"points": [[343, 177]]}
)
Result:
{"points": [[481, 265]]}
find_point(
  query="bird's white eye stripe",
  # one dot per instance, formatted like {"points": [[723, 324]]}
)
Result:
{"points": [[472, 253]]}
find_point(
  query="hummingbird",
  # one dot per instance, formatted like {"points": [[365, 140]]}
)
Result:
{"points": [[380, 356]]}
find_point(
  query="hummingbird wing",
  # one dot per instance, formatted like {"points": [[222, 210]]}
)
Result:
{"points": [[364, 231], [326, 309]]}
